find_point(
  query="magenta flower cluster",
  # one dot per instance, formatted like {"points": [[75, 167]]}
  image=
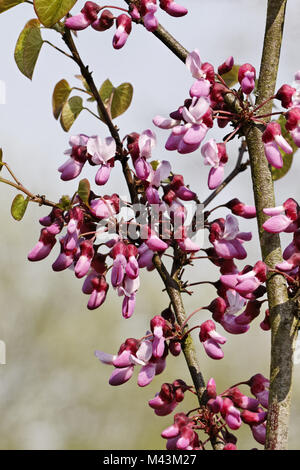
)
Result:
{"points": [[144, 10]]}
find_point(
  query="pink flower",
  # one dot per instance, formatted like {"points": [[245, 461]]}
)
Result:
{"points": [[87, 16], [133, 353], [105, 206], [158, 328], [168, 398], [54, 221], [226, 66], [154, 243], [145, 257], [78, 156], [105, 21], [43, 247], [102, 153], [259, 386], [118, 253], [186, 138], [83, 263], [242, 210], [293, 124], [148, 9], [231, 414], [254, 418], [181, 436], [204, 74], [246, 77], [242, 401], [214, 155], [172, 8], [123, 30], [273, 142], [224, 312], [285, 95], [227, 239], [96, 286], [259, 432], [283, 218], [248, 281], [211, 340], [66, 256]]}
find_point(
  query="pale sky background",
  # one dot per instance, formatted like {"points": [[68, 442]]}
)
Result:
{"points": [[54, 394]]}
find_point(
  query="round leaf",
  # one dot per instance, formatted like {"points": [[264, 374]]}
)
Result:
{"points": [[19, 206], [106, 92], [231, 78], [60, 95], [28, 47], [70, 111], [84, 190], [121, 99], [6, 4], [50, 12]]}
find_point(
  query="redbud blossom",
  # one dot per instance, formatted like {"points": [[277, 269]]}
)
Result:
{"points": [[227, 239], [172, 8], [226, 66], [123, 31], [214, 155], [273, 140], [43, 247], [285, 95], [283, 218], [242, 210], [87, 16], [105, 21], [78, 156], [148, 9], [211, 340], [293, 124], [246, 77], [204, 74], [102, 153]]}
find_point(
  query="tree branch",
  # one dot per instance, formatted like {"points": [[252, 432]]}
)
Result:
{"points": [[282, 310]]}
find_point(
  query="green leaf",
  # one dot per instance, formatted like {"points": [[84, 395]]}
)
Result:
{"points": [[65, 203], [50, 12], [28, 47], [70, 111], [116, 100], [19, 206], [278, 173], [121, 99], [60, 95], [231, 78], [106, 90], [105, 93], [84, 190], [155, 164], [7, 4]]}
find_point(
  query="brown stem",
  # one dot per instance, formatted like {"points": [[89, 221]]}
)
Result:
{"points": [[33, 198], [282, 310], [188, 348]]}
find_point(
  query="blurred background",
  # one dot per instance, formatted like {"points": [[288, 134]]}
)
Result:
{"points": [[54, 393]]}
